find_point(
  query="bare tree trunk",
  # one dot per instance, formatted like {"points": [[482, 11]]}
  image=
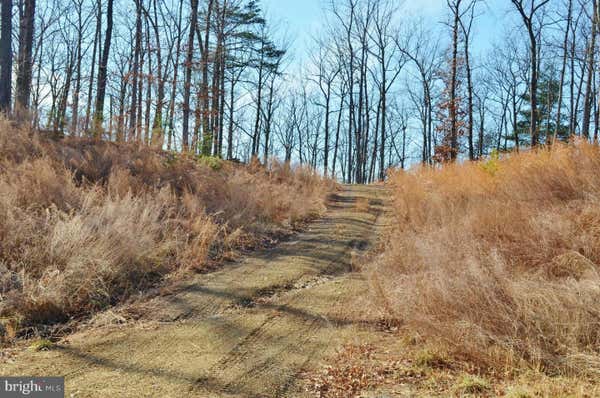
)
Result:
{"points": [[102, 73], [514, 117], [327, 117], [175, 77], [215, 101], [79, 58], [348, 25], [206, 131], [563, 70], [188, 76], [24, 72], [36, 97], [588, 99], [533, 129], [375, 151], [466, 28], [6, 59], [481, 130], [120, 136], [218, 99], [360, 131], [579, 90], [61, 114], [222, 106], [149, 77], [452, 107], [337, 134], [572, 84], [135, 71], [268, 120], [231, 112], [111, 115], [157, 124], [383, 126], [502, 121], [256, 135], [425, 121], [88, 109], [597, 111], [140, 88]]}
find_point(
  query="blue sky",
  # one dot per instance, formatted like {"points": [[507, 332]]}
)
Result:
{"points": [[301, 19]]}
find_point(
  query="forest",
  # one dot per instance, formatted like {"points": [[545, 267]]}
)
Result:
{"points": [[377, 88]]}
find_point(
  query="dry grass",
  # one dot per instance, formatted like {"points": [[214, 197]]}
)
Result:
{"points": [[362, 204], [497, 262], [85, 224]]}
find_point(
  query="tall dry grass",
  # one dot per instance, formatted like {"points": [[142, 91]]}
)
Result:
{"points": [[85, 224], [498, 261]]}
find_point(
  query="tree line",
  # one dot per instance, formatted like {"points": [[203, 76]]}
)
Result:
{"points": [[159, 72], [379, 87]]}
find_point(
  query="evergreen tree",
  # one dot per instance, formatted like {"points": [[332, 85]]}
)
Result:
{"points": [[547, 109]]}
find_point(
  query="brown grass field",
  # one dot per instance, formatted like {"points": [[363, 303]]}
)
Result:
{"points": [[86, 224], [496, 263]]}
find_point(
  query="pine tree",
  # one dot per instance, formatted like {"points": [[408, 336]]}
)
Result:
{"points": [[547, 109]]}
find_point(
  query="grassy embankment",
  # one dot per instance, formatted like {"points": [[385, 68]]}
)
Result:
{"points": [[496, 265], [85, 225]]}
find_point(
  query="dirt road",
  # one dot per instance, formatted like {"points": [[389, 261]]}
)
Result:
{"points": [[246, 330]]}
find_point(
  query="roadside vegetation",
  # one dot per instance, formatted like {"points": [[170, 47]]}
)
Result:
{"points": [[496, 262], [85, 224]]}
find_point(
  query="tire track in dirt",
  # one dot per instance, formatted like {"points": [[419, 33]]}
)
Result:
{"points": [[244, 331]]}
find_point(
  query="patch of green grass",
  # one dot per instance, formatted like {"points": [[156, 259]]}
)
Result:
{"points": [[42, 345], [431, 359], [470, 384], [213, 162], [518, 392]]}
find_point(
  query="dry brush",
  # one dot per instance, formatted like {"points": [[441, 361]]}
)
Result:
{"points": [[499, 261], [84, 224]]}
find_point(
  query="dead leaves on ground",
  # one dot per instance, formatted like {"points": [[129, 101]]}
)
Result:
{"points": [[357, 368]]}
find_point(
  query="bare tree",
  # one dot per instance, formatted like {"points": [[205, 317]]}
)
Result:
{"points": [[24, 67], [327, 71], [135, 73], [283, 126], [80, 27], [157, 139], [453, 103], [424, 54], [565, 49], [589, 89], [102, 72], [203, 94], [5, 56], [188, 74], [390, 66], [175, 65], [528, 9], [466, 19]]}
